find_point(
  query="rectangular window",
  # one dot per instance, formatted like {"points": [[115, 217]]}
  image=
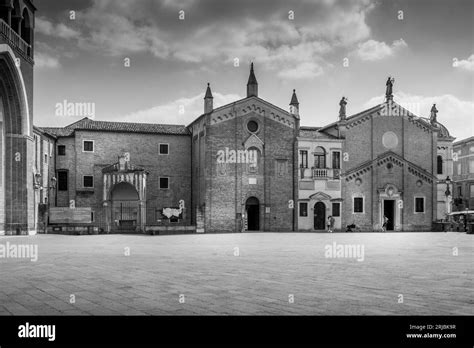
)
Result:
{"points": [[88, 181], [164, 149], [419, 204], [358, 204], [88, 146], [471, 166], [459, 191], [459, 169], [61, 150], [164, 183], [62, 181], [471, 193], [320, 161], [336, 160], [46, 158], [303, 209], [336, 209], [303, 159]]}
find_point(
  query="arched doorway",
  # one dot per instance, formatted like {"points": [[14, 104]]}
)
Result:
{"points": [[252, 207], [16, 170], [125, 207], [319, 216]]}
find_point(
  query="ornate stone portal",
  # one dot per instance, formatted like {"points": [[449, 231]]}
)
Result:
{"points": [[129, 179]]}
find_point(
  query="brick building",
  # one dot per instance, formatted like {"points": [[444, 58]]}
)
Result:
{"points": [[231, 193], [125, 173], [463, 176]]}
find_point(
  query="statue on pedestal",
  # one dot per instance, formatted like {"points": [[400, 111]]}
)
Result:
{"points": [[342, 110]]}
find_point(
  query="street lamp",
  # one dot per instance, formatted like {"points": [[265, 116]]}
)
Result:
{"points": [[448, 195], [448, 181]]}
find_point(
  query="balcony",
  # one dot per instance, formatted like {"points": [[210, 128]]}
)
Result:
{"points": [[320, 173], [8, 35]]}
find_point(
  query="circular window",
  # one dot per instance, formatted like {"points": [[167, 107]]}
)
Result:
{"points": [[390, 140], [252, 126], [389, 166]]}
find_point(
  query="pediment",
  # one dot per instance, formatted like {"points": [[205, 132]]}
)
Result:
{"points": [[253, 141], [392, 157], [320, 196]]}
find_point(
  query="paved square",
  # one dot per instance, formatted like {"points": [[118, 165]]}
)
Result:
{"points": [[270, 270]]}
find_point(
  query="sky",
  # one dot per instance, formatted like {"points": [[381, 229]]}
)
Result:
{"points": [[151, 60]]}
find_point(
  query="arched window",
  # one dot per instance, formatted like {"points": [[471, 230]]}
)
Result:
{"points": [[26, 27], [440, 164], [319, 158]]}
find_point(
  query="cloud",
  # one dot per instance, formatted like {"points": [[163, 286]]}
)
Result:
{"points": [[44, 26], [455, 114], [180, 111], [43, 60], [372, 50], [215, 34], [465, 64]]}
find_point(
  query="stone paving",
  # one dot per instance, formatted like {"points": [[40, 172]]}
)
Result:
{"points": [[240, 274]]}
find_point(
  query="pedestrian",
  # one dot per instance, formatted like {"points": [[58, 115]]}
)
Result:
{"points": [[332, 221], [385, 223], [329, 224]]}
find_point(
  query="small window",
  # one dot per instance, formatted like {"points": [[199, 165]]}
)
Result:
{"points": [[303, 209], [471, 166], [88, 146], [419, 204], [471, 189], [164, 183], [88, 181], [62, 181], [61, 150], [164, 149], [92, 216], [358, 204], [336, 160], [440, 164], [252, 126], [45, 158], [336, 209]]}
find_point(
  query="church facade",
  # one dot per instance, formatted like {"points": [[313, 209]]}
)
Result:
{"points": [[245, 166]]}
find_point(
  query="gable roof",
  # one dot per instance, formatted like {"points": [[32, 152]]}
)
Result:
{"points": [[107, 126], [423, 121], [314, 133]]}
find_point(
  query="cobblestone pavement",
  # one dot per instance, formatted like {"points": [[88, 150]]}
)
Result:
{"points": [[240, 274]]}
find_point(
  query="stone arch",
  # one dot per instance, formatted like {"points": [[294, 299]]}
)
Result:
{"points": [[16, 148]]}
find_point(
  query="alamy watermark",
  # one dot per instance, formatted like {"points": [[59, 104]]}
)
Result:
{"points": [[345, 251], [66, 108], [239, 156], [19, 251]]}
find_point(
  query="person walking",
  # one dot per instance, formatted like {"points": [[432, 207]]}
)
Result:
{"points": [[385, 223], [329, 224]]}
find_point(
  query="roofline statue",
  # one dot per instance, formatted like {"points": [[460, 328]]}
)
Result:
{"points": [[342, 109]]}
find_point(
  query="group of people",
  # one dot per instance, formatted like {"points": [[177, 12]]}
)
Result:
{"points": [[350, 228]]}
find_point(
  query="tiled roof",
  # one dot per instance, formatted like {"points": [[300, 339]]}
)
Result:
{"points": [[314, 133], [58, 132], [107, 126]]}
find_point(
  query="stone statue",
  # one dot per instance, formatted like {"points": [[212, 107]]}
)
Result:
{"points": [[389, 84], [342, 110], [434, 111]]}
